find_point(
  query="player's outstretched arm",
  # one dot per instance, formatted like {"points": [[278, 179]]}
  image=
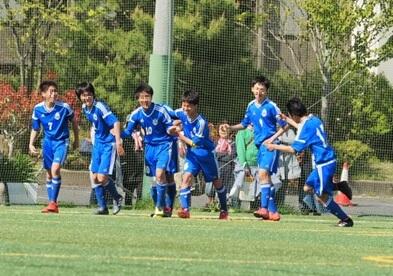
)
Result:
{"points": [[276, 135]]}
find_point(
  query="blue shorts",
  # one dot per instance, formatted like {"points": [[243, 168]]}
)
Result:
{"points": [[206, 162], [162, 156], [54, 152], [321, 178], [268, 160], [103, 158]]}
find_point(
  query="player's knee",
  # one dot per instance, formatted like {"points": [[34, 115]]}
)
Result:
{"points": [[186, 181], [264, 176]]}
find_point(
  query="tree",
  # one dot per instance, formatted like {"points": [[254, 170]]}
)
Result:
{"points": [[345, 37], [15, 113], [33, 25]]}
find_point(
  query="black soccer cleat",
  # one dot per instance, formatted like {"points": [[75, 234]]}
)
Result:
{"points": [[345, 223], [345, 189], [101, 211]]}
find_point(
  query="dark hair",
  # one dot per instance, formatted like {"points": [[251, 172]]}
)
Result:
{"points": [[295, 107], [261, 79], [46, 84], [190, 96], [143, 87], [84, 86]]}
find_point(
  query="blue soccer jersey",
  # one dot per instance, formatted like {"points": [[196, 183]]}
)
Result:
{"points": [[53, 120], [201, 157], [197, 130], [264, 117], [102, 120], [311, 134], [155, 123]]}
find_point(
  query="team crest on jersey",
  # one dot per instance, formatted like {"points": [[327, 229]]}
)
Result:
{"points": [[264, 113], [95, 117], [142, 121], [155, 122], [57, 116]]}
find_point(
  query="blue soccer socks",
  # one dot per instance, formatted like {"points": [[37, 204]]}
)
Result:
{"points": [[161, 191], [222, 198], [272, 207], [265, 195], [111, 188], [171, 194], [49, 189], [56, 183], [336, 210], [100, 196], [153, 194], [185, 198]]}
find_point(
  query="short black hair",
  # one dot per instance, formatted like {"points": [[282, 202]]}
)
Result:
{"points": [[84, 86], [46, 84], [190, 96], [261, 79], [295, 107], [143, 87]]}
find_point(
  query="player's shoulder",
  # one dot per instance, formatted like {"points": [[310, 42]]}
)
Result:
{"points": [[102, 105], [39, 106], [62, 104], [135, 113]]}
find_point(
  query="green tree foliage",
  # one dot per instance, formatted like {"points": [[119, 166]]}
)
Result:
{"points": [[212, 55], [33, 26]]}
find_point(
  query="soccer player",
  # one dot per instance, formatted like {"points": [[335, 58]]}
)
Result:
{"points": [[311, 134], [264, 115], [54, 116], [160, 161], [200, 155], [107, 143]]}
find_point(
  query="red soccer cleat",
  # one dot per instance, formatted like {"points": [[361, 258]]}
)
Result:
{"points": [[183, 213], [51, 208], [167, 212], [261, 213], [274, 216], [223, 215]]}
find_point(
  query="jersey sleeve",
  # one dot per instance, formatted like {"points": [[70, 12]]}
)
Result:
{"points": [[70, 112], [36, 124], [246, 119], [107, 115], [131, 123], [302, 139], [276, 113], [167, 120], [201, 133]]}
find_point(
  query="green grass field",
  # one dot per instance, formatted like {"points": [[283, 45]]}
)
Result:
{"points": [[75, 242]]}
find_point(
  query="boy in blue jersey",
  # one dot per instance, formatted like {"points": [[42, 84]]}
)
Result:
{"points": [[200, 155], [54, 116], [311, 135], [264, 115], [160, 158], [107, 143]]}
